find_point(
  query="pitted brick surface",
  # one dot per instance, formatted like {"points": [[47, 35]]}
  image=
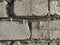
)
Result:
{"points": [[40, 30], [44, 29], [40, 7], [55, 7]]}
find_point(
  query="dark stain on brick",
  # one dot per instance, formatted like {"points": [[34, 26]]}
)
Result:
{"points": [[10, 8]]}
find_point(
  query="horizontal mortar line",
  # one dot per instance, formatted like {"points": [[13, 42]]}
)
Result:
{"points": [[27, 40], [30, 17], [13, 40], [17, 18]]}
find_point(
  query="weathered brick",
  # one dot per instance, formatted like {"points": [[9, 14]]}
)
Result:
{"points": [[14, 30], [22, 7], [44, 25], [36, 32], [3, 9], [55, 7], [54, 29], [40, 29], [3, 43], [44, 29], [40, 7], [53, 43]]}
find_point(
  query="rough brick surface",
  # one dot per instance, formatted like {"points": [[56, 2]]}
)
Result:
{"points": [[22, 7], [54, 28], [40, 7], [28, 7], [3, 9], [36, 32], [40, 30], [14, 30], [44, 29], [55, 7], [53, 43]]}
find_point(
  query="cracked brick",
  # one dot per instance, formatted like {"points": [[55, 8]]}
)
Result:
{"points": [[14, 30]]}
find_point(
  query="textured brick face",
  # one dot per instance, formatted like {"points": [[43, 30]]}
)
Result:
{"points": [[55, 7], [37, 25], [3, 9], [22, 7], [13, 30], [54, 27], [40, 7], [40, 30], [28, 7], [53, 43], [36, 32]]}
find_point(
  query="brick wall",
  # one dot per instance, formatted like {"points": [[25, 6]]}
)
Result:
{"points": [[29, 22]]}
